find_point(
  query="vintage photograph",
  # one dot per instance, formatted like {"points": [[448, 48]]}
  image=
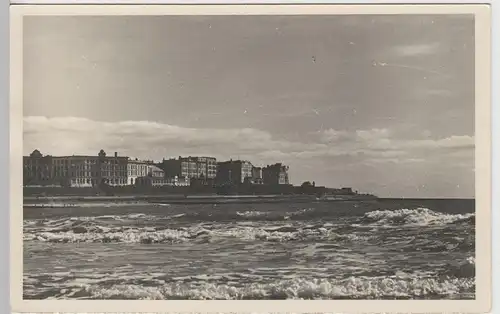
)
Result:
{"points": [[249, 157]]}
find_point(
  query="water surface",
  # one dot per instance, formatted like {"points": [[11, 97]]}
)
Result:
{"points": [[385, 249]]}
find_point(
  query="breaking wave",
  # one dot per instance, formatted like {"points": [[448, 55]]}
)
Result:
{"points": [[394, 287], [85, 232], [251, 213], [144, 228], [419, 217]]}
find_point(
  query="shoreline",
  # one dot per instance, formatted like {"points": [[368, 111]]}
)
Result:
{"points": [[75, 201]]}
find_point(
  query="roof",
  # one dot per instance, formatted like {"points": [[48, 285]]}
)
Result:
{"points": [[155, 168]]}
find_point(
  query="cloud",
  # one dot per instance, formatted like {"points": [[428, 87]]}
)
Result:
{"points": [[416, 50], [70, 135], [381, 145]]}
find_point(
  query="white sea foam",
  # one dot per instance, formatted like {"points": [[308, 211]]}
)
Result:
{"points": [[54, 225], [129, 236], [90, 232], [251, 213], [300, 212], [298, 288], [176, 216], [419, 216]]}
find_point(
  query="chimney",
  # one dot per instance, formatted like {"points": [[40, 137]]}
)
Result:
{"points": [[116, 154]]}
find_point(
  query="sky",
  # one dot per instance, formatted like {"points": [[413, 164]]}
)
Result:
{"points": [[380, 103]]}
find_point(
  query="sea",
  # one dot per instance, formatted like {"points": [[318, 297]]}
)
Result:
{"points": [[380, 249]]}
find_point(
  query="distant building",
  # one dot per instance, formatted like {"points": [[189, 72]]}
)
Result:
{"points": [[37, 169], [154, 177], [75, 171], [111, 170], [276, 174], [190, 167], [155, 172], [257, 175], [347, 191], [234, 171], [136, 169], [176, 181]]}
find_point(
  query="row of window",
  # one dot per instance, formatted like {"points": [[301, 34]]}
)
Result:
{"points": [[137, 173], [81, 181], [85, 161], [89, 174], [143, 167], [89, 181]]}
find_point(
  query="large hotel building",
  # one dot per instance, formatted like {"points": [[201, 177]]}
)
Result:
{"points": [[75, 171]]}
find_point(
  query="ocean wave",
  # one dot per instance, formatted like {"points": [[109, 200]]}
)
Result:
{"points": [[106, 236], [90, 232], [299, 288], [419, 216], [64, 224]]}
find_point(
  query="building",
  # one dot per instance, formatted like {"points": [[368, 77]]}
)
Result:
{"points": [[275, 174], [257, 175], [75, 171], [176, 181], [234, 171], [154, 177], [136, 169], [87, 171], [112, 170], [37, 169], [190, 167]]}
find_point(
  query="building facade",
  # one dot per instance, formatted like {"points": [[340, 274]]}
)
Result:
{"points": [[234, 171], [257, 175], [275, 174], [176, 181], [37, 169], [136, 169], [112, 170], [154, 177], [75, 171], [190, 167]]}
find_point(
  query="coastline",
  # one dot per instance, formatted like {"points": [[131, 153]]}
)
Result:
{"points": [[75, 201]]}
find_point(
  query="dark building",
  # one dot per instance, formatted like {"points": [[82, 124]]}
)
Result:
{"points": [[234, 171], [275, 174], [257, 175], [190, 167], [37, 169]]}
